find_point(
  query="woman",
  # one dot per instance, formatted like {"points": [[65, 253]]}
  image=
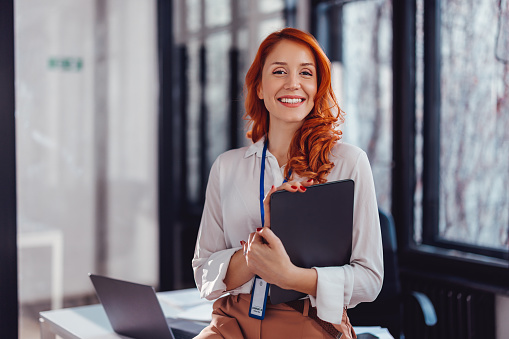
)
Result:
{"points": [[294, 114]]}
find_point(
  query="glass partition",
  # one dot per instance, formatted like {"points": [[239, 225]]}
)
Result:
{"points": [[86, 139]]}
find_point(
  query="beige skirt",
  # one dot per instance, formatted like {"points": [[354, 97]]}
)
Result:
{"points": [[230, 319]]}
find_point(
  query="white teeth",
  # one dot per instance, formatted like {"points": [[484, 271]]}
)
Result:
{"points": [[291, 101]]}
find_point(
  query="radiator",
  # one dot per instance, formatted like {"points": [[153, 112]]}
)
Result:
{"points": [[462, 312]]}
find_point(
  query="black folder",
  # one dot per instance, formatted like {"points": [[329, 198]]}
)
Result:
{"points": [[315, 227]]}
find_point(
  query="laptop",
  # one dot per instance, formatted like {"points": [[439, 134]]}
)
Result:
{"points": [[134, 311], [315, 227]]}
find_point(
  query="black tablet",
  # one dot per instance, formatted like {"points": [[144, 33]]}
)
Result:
{"points": [[315, 227]]}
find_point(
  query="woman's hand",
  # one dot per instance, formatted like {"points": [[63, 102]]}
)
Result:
{"points": [[292, 186], [238, 271], [266, 256]]}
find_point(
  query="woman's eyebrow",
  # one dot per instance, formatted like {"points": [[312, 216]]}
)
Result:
{"points": [[282, 63]]}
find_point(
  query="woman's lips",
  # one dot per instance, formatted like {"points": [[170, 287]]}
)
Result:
{"points": [[291, 102]]}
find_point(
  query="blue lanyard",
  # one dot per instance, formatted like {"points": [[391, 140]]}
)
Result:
{"points": [[260, 287], [262, 181]]}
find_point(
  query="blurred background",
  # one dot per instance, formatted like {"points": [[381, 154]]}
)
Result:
{"points": [[123, 105]]}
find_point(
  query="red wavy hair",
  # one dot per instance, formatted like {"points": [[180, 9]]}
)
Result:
{"points": [[312, 144]]}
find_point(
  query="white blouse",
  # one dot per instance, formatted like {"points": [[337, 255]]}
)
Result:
{"points": [[232, 212]]}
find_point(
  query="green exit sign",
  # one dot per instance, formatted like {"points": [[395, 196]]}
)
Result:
{"points": [[69, 64]]}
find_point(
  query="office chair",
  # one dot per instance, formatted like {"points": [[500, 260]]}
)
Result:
{"points": [[387, 309]]}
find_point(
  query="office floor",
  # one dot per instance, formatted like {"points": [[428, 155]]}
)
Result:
{"points": [[29, 314]]}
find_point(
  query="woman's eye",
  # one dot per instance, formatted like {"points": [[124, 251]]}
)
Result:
{"points": [[278, 71], [306, 73]]}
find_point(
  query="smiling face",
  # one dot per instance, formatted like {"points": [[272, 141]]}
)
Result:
{"points": [[289, 83]]}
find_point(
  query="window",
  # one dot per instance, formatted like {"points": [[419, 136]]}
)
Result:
{"points": [[357, 38], [216, 35], [462, 105], [217, 41]]}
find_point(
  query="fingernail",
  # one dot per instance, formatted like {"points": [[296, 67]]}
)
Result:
{"points": [[272, 187], [310, 180], [242, 242], [294, 187], [258, 229], [303, 188]]}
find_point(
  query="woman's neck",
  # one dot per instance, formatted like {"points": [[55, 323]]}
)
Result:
{"points": [[279, 143]]}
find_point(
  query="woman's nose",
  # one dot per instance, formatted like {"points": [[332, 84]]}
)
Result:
{"points": [[292, 82]]}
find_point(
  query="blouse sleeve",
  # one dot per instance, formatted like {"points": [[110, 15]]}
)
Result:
{"points": [[361, 280], [211, 255]]}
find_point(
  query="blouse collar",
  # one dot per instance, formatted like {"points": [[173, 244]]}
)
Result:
{"points": [[256, 148]]}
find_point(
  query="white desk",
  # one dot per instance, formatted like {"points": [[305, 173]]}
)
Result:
{"points": [[91, 322]]}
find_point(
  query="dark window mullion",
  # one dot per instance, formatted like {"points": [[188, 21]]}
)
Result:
{"points": [[234, 97], [290, 13], [403, 154], [431, 122], [203, 123], [8, 246], [335, 17], [167, 175], [181, 131]]}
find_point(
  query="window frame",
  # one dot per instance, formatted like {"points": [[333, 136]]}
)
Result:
{"points": [[486, 268], [8, 237], [431, 135]]}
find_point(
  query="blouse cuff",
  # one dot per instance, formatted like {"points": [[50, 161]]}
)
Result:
{"points": [[333, 292], [214, 272]]}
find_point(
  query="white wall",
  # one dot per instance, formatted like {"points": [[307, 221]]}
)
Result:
{"points": [[56, 125]]}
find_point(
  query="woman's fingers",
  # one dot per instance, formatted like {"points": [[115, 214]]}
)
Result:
{"points": [[292, 186], [264, 252], [307, 183], [253, 239], [297, 186], [266, 205], [270, 238], [266, 200], [255, 243], [266, 256], [250, 238]]}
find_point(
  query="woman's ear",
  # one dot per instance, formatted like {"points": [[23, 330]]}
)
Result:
{"points": [[259, 91]]}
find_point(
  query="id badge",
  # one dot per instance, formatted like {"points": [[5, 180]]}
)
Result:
{"points": [[258, 298]]}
